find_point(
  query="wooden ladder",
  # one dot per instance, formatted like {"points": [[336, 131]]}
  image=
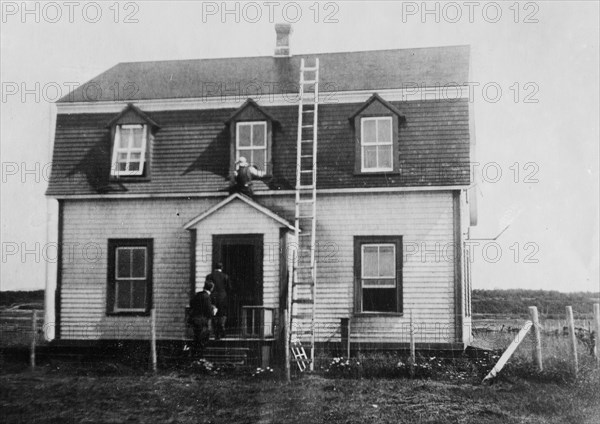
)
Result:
{"points": [[304, 281]]}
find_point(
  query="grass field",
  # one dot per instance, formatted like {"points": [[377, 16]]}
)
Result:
{"points": [[67, 394], [448, 390]]}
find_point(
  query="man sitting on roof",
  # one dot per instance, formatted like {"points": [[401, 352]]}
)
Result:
{"points": [[244, 176]]}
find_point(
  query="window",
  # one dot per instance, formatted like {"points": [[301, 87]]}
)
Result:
{"points": [[129, 276], [251, 142], [376, 144], [378, 272], [129, 150]]}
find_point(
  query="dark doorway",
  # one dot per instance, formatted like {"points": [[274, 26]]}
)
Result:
{"points": [[242, 258]]}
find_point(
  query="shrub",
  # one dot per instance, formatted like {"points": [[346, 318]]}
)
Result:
{"points": [[202, 366], [343, 367]]}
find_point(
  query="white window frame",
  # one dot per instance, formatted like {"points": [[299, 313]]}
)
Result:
{"points": [[114, 169], [376, 143], [251, 124], [117, 279], [363, 277]]}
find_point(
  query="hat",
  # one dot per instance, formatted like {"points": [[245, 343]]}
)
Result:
{"points": [[242, 161]]}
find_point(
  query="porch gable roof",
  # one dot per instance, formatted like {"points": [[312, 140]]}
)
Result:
{"points": [[247, 201]]}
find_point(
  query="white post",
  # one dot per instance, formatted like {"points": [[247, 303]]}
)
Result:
{"points": [[572, 338], [412, 358], [537, 348], [153, 339], [509, 351], [286, 344], [597, 325], [33, 338]]}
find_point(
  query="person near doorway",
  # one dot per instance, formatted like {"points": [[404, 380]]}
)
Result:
{"points": [[201, 312], [243, 177], [219, 298]]}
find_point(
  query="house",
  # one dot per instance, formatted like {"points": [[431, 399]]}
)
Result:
{"points": [[142, 166]]}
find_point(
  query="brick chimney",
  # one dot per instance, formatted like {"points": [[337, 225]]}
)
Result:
{"points": [[282, 44]]}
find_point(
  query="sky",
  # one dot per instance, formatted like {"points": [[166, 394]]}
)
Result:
{"points": [[535, 79]]}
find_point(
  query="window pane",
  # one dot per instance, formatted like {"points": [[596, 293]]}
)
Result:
{"points": [[369, 128], [258, 135], [137, 134], [138, 300], [369, 265], [379, 300], [123, 294], [258, 159], [387, 261], [123, 263], [138, 266], [124, 138], [244, 135], [384, 128], [370, 157], [384, 156]]}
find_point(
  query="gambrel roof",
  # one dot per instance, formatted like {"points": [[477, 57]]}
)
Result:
{"points": [[347, 71]]}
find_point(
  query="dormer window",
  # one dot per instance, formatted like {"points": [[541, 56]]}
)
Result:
{"points": [[132, 132], [251, 136], [376, 128], [376, 144], [251, 142], [129, 150]]}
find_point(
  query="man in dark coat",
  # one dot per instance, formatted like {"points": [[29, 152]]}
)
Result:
{"points": [[219, 298], [201, 312]]}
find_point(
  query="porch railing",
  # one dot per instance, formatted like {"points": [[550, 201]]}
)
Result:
{"points": [[258, 322]]}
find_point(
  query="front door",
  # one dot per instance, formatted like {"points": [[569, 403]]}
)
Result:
{"points": [[242, 258]]}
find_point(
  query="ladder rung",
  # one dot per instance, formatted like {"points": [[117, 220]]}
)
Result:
{"points": [[304, 267], [310, 69], [302, 316], [305, 217], [305, 187], [303, 301], [303, 283], [309, 81], [308, 111], [307, 126], [305, 171], [305, 332], [306, 156], [307, 141]]}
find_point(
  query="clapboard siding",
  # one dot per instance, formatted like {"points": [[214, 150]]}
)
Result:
{"points": [[89, 224], [423, 219], [190, 151], [239, 218], [428, 284]]}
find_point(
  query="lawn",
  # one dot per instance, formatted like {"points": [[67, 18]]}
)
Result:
{"points": [[67, 393]]}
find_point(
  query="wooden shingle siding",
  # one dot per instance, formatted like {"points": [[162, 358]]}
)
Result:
{"points": [[190, 152], [89, 225]]}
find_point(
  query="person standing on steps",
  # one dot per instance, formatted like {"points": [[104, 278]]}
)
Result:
{"points": [[201, 312], [219, 298]]}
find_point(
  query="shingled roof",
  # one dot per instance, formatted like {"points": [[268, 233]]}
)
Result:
{"points": [[349, 71]]}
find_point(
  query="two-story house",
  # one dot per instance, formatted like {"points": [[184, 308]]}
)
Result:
{"points": [[142, 166]]}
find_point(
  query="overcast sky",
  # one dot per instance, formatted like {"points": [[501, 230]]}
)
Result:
{"points": [[541, 131]]}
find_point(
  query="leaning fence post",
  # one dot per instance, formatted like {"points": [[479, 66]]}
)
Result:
{"points": [[537, 349], [572, 338], [153, 338], [33, 338], [597, 335]]}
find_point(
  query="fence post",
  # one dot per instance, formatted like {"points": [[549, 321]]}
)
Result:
{"points": [[412, 358], [33, 338], [537, 349], [286, 345], [572, 338], [597, 335], [153, 338]]}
